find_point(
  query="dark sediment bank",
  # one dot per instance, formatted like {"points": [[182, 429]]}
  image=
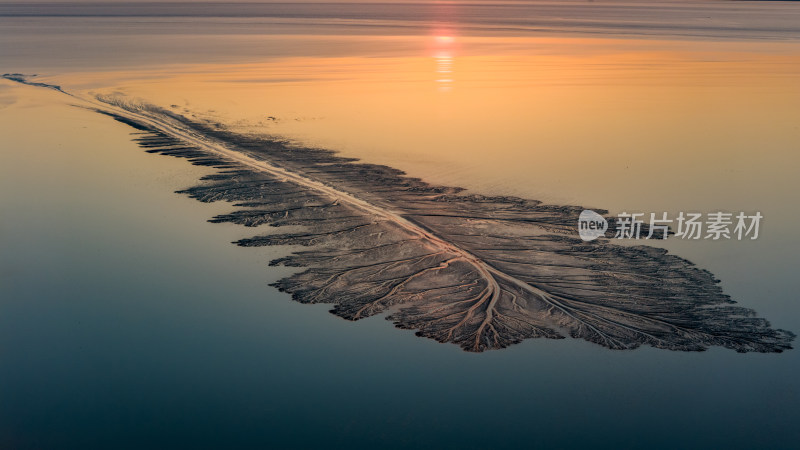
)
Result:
{"points": [[478, 271]]}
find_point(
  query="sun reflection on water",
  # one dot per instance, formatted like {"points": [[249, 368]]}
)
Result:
{"points": [[444, 59]]}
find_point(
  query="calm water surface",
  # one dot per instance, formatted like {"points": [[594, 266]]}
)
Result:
{"points": [[127, 321]]}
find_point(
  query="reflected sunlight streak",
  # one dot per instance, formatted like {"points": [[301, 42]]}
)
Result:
{"points": [[444, 59]]}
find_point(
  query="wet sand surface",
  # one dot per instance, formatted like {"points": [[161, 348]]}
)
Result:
{"points": [[481, 272]]}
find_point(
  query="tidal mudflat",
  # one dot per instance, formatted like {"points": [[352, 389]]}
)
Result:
{"points": [[128, 320], [479, 271]]}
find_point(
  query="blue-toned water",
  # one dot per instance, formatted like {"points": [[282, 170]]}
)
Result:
{"points": [[128, 321]]}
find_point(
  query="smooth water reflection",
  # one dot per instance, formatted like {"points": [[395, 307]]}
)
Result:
{"points": [[127, 321]]}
